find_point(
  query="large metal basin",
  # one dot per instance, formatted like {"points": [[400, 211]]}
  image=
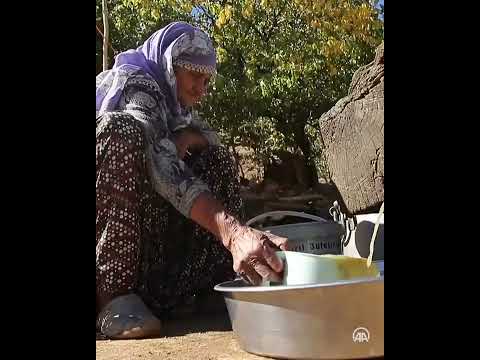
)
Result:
{"points": [[341, 320]]}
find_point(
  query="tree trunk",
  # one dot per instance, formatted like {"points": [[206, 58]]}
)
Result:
{"points": [[302, 141], [353, 133], [105, 34]]}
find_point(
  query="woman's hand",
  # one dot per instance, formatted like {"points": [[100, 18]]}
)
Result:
{"points": [[253, 252], [189, 140]]}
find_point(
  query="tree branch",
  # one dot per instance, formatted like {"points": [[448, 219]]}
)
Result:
{"points": [[207, 13]]}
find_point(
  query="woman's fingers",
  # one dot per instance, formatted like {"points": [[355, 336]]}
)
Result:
{"points": [[278, 241], [264, 270], [272, 259], [248, 273]]}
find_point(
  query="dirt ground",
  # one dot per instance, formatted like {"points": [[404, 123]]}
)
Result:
{"points": [[209, 345], [207, 337], [199, 338]]}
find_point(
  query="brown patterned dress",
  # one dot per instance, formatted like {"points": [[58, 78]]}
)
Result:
{"points": [[143, 243]]}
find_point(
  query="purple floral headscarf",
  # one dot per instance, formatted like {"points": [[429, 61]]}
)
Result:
{"points": [[178, 43]]}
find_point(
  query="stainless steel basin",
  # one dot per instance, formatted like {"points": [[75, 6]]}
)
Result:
{"points": [[341, 320]]}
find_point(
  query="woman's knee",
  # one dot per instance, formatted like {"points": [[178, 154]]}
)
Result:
{"points": [[216, 167], [219, 153], [120, 127], [214, 159]]}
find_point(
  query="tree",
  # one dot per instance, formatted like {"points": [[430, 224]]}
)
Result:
{"points": [[105, 35], [286, 61], [282, 63]]}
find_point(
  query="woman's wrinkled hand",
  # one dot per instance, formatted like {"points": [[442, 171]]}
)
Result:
{"points": [[253, 252], [189, 140]]}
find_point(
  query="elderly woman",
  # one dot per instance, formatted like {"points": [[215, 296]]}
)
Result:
{"points": [[167, 195]]}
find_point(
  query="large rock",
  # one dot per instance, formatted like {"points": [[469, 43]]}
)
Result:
{"points": [[353, 134]]}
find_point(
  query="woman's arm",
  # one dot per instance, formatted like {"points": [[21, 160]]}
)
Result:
{"points": [[253, 251]]}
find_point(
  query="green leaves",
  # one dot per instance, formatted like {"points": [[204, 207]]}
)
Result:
{"points": [[281, 63]]}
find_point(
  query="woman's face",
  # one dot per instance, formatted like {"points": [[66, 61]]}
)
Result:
{"points": [[191, 85]]}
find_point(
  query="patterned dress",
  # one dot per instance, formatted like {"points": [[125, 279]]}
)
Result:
{"points": [[145, 242]]}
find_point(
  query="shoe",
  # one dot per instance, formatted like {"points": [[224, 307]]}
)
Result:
{"points": [[127, 317]]}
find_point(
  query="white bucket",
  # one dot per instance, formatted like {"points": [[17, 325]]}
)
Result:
{"points": [[359, 241]]}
